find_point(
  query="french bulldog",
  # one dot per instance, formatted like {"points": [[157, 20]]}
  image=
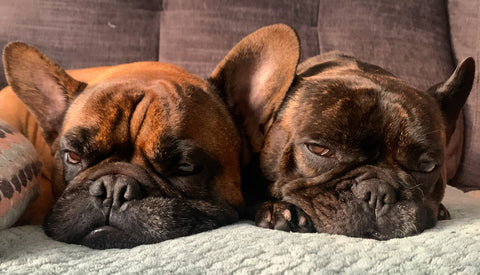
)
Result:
{"points": [[348, 148], [144, 151]]}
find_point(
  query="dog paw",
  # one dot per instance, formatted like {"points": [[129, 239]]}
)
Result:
{"points": [[443, 213], [283, 216]]}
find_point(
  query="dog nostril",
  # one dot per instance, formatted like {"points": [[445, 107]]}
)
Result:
{"points": [[387, 193], [125, 189], [367, 196], [373, 201], [97, 189], [115, 190], [390, 197], [375, 192], [133, 192]]}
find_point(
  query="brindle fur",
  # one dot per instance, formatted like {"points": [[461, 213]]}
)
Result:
{"points": [[380, 130]]}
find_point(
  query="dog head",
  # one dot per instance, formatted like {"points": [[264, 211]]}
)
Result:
{"points": [[357, 149], [146, 151]]}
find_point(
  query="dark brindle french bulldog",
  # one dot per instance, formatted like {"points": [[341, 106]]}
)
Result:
{"points": [[147, 151], [348, 148]]}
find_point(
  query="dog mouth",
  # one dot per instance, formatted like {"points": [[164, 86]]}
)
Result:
{"points": [[359, 218], [77, 219], [123, 206], [375, 235], [107, 236], [102, 230], [370, 208], [82, 222]]}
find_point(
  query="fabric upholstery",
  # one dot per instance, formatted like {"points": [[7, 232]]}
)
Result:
{"points": [[198, 34], [19, 168], [464, 20], [79, 34], [408, 38]]}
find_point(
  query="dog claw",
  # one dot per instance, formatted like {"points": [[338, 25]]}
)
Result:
{"points": [[302, 221], [283, 216], [443, 213], [287, 215], [267, 217]]}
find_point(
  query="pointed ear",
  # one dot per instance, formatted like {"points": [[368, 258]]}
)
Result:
{"points": [[255, 75], [41, 85], [453, 93]]}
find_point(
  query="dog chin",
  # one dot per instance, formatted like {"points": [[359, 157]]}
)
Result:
{"points": [[146, 221], [87, 225], [107, 236], [357, 219]]}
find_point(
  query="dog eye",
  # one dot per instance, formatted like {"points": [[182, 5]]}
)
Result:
{"points": [[187, 169], [320, 150], [428, 166], [72, 158]]}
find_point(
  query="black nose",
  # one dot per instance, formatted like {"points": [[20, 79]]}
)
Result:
{"points": [[112, 191], [376, 192]]}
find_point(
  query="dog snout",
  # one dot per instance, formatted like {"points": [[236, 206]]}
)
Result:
{"points": [[376, 192], [112, 191]]}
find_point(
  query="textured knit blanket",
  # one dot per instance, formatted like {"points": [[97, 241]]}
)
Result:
{"points": [[452, 247]]}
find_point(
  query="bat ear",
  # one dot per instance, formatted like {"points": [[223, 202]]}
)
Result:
{"points": [[255, 75], [41, 85], [453, 93]]}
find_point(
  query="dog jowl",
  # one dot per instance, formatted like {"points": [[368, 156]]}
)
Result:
{"points": [[349, 148], [146, 151]]}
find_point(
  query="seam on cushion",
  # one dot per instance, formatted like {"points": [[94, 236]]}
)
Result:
{"points": [[454, 178], [159, 24], [449, 29], [461, 179], [318, 28]]}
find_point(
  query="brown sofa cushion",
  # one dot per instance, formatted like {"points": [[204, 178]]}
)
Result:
{"points": [[198, 34], [87, 33], [464, 23]]}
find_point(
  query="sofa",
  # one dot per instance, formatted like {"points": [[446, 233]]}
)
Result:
{"points": [[419, 41]]}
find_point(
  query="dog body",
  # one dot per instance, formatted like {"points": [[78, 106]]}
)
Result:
{"points": [[142, 152], [350, 149]]}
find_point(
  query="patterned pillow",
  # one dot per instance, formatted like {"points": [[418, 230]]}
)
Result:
{"points": [[19, 168]]}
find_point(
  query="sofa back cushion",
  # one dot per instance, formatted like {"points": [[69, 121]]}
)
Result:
{"points": [[408, 38], [198, 34], [87, 33], [464, 18]]}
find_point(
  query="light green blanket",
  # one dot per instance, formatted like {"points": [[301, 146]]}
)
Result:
{"points": [[452, 247]]}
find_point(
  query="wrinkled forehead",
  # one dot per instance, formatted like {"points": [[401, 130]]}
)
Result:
{"points": [[118, 89], [413, 119], [329, 100], [146, 110], [111, 103], [356, 110]]}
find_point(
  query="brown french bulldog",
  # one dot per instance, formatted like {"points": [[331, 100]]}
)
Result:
{"points": [[349, 148], [146, 151]]}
